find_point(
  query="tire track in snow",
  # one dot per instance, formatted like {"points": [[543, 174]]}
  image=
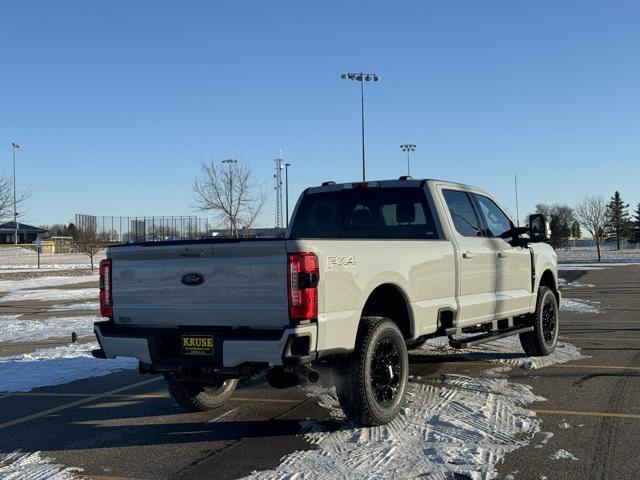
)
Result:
{"points": [[462, 425]]}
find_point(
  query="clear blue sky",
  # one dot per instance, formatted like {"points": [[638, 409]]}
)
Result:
{"points": [[116, 103]]}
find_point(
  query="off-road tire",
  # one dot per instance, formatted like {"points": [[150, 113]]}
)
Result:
{"points": [[198, 397], [542, 340], [379, 339]]}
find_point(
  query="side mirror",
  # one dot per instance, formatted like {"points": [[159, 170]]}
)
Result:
{"points": [[539, 229]]}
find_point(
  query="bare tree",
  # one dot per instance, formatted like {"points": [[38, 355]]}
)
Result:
{"points": [[227, 191], [6, 197], [593, 214], [89, 242]]}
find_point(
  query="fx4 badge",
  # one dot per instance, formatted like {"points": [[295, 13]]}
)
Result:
{"points": [[341, 261]]}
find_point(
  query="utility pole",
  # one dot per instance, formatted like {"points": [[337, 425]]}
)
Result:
{"points": [[361, 77], [278, 188], [15, 146]]}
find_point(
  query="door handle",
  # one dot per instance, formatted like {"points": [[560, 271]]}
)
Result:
{"points": [[468, 255], [503, 254]]}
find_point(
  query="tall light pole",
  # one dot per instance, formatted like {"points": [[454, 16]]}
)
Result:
{"points": [[408, 147], [232, 220], [361, 77], [286, 191], [14, 147]]}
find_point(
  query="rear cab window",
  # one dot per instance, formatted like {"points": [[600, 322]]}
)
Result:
{"points": [[374, 212]]}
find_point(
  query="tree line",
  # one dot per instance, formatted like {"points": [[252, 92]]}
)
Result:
{"points": [[604, 220]]}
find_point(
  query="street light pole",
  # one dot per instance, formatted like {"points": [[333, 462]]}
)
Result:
{"points": [[286, 191], [361, 77], [15, 146], [408, 147]]}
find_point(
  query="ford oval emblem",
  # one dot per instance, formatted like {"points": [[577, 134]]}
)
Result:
{"points": [[192, 279]]}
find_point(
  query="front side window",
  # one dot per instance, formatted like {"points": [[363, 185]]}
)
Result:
{"points": [[462, 212], [498, 224]]}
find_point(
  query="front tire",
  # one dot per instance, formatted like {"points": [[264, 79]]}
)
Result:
{"points": [[374, 380], [546, 322], [199, 397]]}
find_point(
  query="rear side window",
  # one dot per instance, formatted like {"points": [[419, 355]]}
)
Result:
{"points": [[365, 213], [462, 213]]}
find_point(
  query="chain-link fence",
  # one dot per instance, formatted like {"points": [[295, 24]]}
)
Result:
{"points": [[143, 229]]}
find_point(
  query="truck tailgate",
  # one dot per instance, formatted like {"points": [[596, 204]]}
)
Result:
{"points": [[231, 284]]}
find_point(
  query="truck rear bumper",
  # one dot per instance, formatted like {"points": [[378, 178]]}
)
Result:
{"points": [[232, 348]]}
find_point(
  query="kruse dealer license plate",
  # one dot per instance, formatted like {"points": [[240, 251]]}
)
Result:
{"points": [[197, 345]]}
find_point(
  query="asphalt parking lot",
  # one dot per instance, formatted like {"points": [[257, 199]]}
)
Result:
{"points": [[125, 425]]}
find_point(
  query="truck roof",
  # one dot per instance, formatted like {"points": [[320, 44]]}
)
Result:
{"points": [[407, 182]]}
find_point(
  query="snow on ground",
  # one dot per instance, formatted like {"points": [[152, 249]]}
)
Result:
{"points": [[52, 294], [591, 266], [42, 282], [562, 282], [586, 255], [579, 306], [27, 259], [55, 366], [27, 466], [14, 330], [457, 425], [74, 306]]}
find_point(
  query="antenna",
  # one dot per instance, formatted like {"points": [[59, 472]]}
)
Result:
{"points": [[515, 178]]}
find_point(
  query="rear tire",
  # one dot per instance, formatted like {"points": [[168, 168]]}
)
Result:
{"points": [[546, 321], [374, 381], [199, 397]]}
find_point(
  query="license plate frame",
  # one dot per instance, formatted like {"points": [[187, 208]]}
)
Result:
{"points": [[197, 345]]}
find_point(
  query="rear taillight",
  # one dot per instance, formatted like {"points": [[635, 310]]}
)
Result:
{"points": [[106, 294], [303, 274]]}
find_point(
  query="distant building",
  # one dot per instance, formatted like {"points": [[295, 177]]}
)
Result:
{"points": [[26, 233]]}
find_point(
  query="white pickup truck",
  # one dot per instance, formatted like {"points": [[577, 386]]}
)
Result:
{"points": [[366, 272]]}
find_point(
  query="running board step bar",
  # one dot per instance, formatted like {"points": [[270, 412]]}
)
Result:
{"points": [[488, 337]]}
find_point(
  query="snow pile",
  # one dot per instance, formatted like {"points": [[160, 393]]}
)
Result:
{"points": [[51, 294], [563, 455], [14, 330], [55, 366], [24, 466], [460, 425], [579, 306]]}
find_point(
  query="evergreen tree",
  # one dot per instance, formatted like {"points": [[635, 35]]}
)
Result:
{"points": [[635, 226], [618, 226], [576, 233], [561, 219]]}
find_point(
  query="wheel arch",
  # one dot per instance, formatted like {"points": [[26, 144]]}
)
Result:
{"points": [[548, 279], [391, 301]]}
